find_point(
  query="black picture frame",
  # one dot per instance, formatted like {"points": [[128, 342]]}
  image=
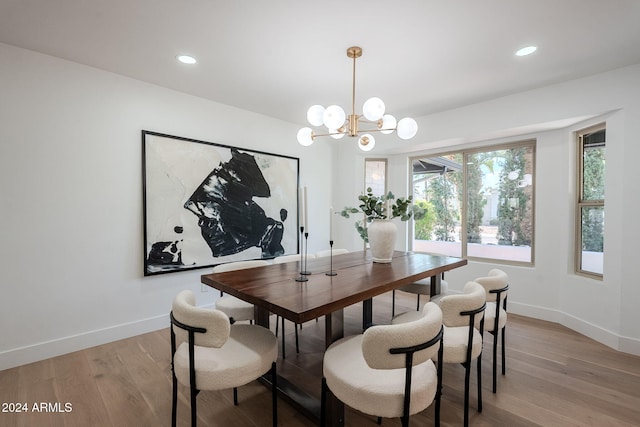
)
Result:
{"points": [[206, 203]]}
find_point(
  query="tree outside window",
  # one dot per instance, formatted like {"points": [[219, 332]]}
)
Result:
{"points": [[480, 203]]}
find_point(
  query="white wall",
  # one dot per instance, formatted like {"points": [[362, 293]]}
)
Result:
{"points": [[71, 200], [604, 310]]}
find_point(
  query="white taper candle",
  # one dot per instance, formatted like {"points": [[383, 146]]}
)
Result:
{"points": [[330, 223], [301, 207]]}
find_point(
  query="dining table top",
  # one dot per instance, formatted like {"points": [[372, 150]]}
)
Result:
{"points": [[276, 287]]}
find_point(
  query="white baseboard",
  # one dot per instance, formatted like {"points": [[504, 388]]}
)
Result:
{"points": [[536, 312], [630, 345], [36, 352], [45, 350], [606, 337]]}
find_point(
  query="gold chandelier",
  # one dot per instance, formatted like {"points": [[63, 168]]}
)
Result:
{"points": [[338, 124]]}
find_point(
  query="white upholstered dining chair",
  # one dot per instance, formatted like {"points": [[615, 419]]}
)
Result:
{"points": [[419, 287], [388, 370], [463, 318], [235, 308], [496, 285], [280, 260], [210, 353]]}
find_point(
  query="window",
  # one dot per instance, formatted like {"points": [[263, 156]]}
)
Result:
{"points": [[375, 176], [590, 204], [479, 203]]}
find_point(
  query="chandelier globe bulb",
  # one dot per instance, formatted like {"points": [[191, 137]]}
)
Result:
{"points": [[389, 124], [333, 116], [407, 128], [314, 115], [305, 136], [336, 133], [373, 109], [366, 142]]}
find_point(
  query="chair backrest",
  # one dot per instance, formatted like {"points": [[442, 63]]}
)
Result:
{"points": [[496, 285], [328, 252], [377, 341], [456, 307], [290, 258], [215, 323], [239, 265]]}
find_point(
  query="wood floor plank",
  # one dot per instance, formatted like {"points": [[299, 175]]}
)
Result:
{"points": [[36, 389], [123, 399], [75, 386]]}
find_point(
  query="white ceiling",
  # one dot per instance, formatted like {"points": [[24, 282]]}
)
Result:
{"points": [[279, 57]]}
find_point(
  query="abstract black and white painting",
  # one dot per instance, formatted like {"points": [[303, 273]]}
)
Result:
{"points": [[207, 204]]}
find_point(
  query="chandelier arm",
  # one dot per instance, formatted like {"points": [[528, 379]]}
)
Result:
{"points": [[375, 130], [361, 119], [329, 134]]}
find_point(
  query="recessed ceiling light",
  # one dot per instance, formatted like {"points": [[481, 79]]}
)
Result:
{"points": [[526, 51], [186, 59]]}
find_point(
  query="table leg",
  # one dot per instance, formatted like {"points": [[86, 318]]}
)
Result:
{"points": [[367, 313], [262, 317], [334, 327], [301, 400], [434, 289], [334, 330]]}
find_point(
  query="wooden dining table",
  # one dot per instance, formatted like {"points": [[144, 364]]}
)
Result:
{"points": [[281, 289]]}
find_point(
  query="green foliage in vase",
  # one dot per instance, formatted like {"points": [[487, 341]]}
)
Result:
{"points": [[375, 207]]}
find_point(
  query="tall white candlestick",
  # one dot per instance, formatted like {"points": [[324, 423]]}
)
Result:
{"points": [[306, 212], [331, 224]]}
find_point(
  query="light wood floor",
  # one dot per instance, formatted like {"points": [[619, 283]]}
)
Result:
{"points": [[555, 377]]}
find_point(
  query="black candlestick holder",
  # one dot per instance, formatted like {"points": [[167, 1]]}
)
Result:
{"points": [[303, 270], [331, 272], [303, 257]]}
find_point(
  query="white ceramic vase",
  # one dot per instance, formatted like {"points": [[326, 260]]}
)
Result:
{"points": [[382, 239]]}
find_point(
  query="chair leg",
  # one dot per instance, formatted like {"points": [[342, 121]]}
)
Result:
{"points": [[274, 394], [235, 396], [323, 403], [439, 386], [379, 421], [495, 359], [174, 402], [418, 302], [504, 361], [393, 303], [467, 369], [479, 368], [283, 350], [194, 416]]}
